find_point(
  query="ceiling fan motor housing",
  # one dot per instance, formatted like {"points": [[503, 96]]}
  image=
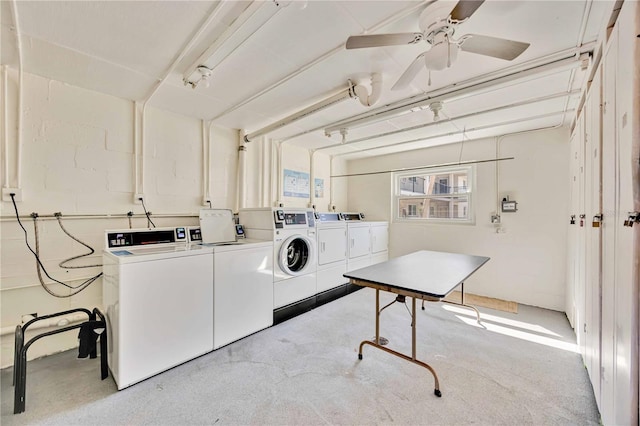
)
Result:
{"points": [[435, 16], [442, 54]]}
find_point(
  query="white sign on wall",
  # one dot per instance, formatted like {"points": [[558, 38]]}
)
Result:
{"points": [[296, 184], [319, 187]]}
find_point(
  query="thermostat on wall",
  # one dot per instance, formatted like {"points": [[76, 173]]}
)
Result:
{"points": [[509, 206]]}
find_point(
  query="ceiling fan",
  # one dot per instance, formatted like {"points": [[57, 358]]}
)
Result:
{"points": [[438, 23]]}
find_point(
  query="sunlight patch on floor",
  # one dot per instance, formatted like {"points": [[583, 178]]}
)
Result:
{"points": [[517, 329]]}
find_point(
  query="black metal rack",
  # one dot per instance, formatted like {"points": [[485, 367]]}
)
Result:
{"points": [[20, 354]]}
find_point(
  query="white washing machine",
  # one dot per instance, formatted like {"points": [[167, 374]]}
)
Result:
{"points": [[158, 296], [243, 278], [293, 233], [331, 233]]}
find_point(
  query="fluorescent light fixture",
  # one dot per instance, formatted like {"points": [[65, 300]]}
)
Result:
{"points": [[252, 18]]}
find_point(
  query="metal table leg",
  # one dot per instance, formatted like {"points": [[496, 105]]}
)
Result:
{"points": [[411, 358], [461, 303]]}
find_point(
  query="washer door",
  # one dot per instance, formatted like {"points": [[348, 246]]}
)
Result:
{"points": [[296, 254]]}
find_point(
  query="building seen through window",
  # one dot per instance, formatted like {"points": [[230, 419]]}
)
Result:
{"points": [[434, 194]]}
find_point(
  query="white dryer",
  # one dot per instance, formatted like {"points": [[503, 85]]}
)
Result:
{"points": [[293, 233], [332, 250], [358, 241], [379, 241], [367, 241]]}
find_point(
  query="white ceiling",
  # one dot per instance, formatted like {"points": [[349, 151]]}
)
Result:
{"points": [[290, 55]]}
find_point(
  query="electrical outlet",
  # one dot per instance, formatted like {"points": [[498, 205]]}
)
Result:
{"points": [[6, 194], [137, 198]]}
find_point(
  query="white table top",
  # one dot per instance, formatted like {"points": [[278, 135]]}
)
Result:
{"points": [[431, 273]]}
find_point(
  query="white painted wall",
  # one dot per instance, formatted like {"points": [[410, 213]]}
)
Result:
{"points": [[78, 159], [528, 258]]}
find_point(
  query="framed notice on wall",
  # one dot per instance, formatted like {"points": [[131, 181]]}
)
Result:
{"points": [[319, 187], [296, 184]]}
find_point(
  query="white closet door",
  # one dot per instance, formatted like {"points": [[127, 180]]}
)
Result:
{"points": [[626, 291], [593, 243], [583, 222], [572, 232], [609, 225]]}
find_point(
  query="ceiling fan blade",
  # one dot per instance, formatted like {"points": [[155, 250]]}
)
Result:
{"points": [[375, 40], [410, 73], [465, 8], [493, 46]]}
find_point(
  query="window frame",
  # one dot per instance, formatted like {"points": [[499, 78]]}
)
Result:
{"points": [[471, 188]]}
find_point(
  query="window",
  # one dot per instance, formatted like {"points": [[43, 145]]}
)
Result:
{"points": [[442, 194]]}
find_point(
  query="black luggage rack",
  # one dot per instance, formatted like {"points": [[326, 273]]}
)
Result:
{"points": [[20, 354]]}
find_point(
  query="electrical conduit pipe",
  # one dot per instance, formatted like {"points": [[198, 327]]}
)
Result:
{"points": [[5, 125], [14, 8], [312, 179], [363, 95], [206, 170], [242, 172]]}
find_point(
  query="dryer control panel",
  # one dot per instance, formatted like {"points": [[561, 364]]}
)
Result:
{"points": [[329, 217], [353, 216]]}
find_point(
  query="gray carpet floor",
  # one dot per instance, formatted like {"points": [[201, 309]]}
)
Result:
{"points": [[519, 369]]}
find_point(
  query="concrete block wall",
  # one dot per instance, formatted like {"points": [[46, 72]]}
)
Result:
{"points": [[78, 159]]}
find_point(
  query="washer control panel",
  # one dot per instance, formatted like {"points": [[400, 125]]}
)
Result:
{"points": [[293, 219], [143, 237]]}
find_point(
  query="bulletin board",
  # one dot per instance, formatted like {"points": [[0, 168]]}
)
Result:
{"points": [[296, 184]]}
